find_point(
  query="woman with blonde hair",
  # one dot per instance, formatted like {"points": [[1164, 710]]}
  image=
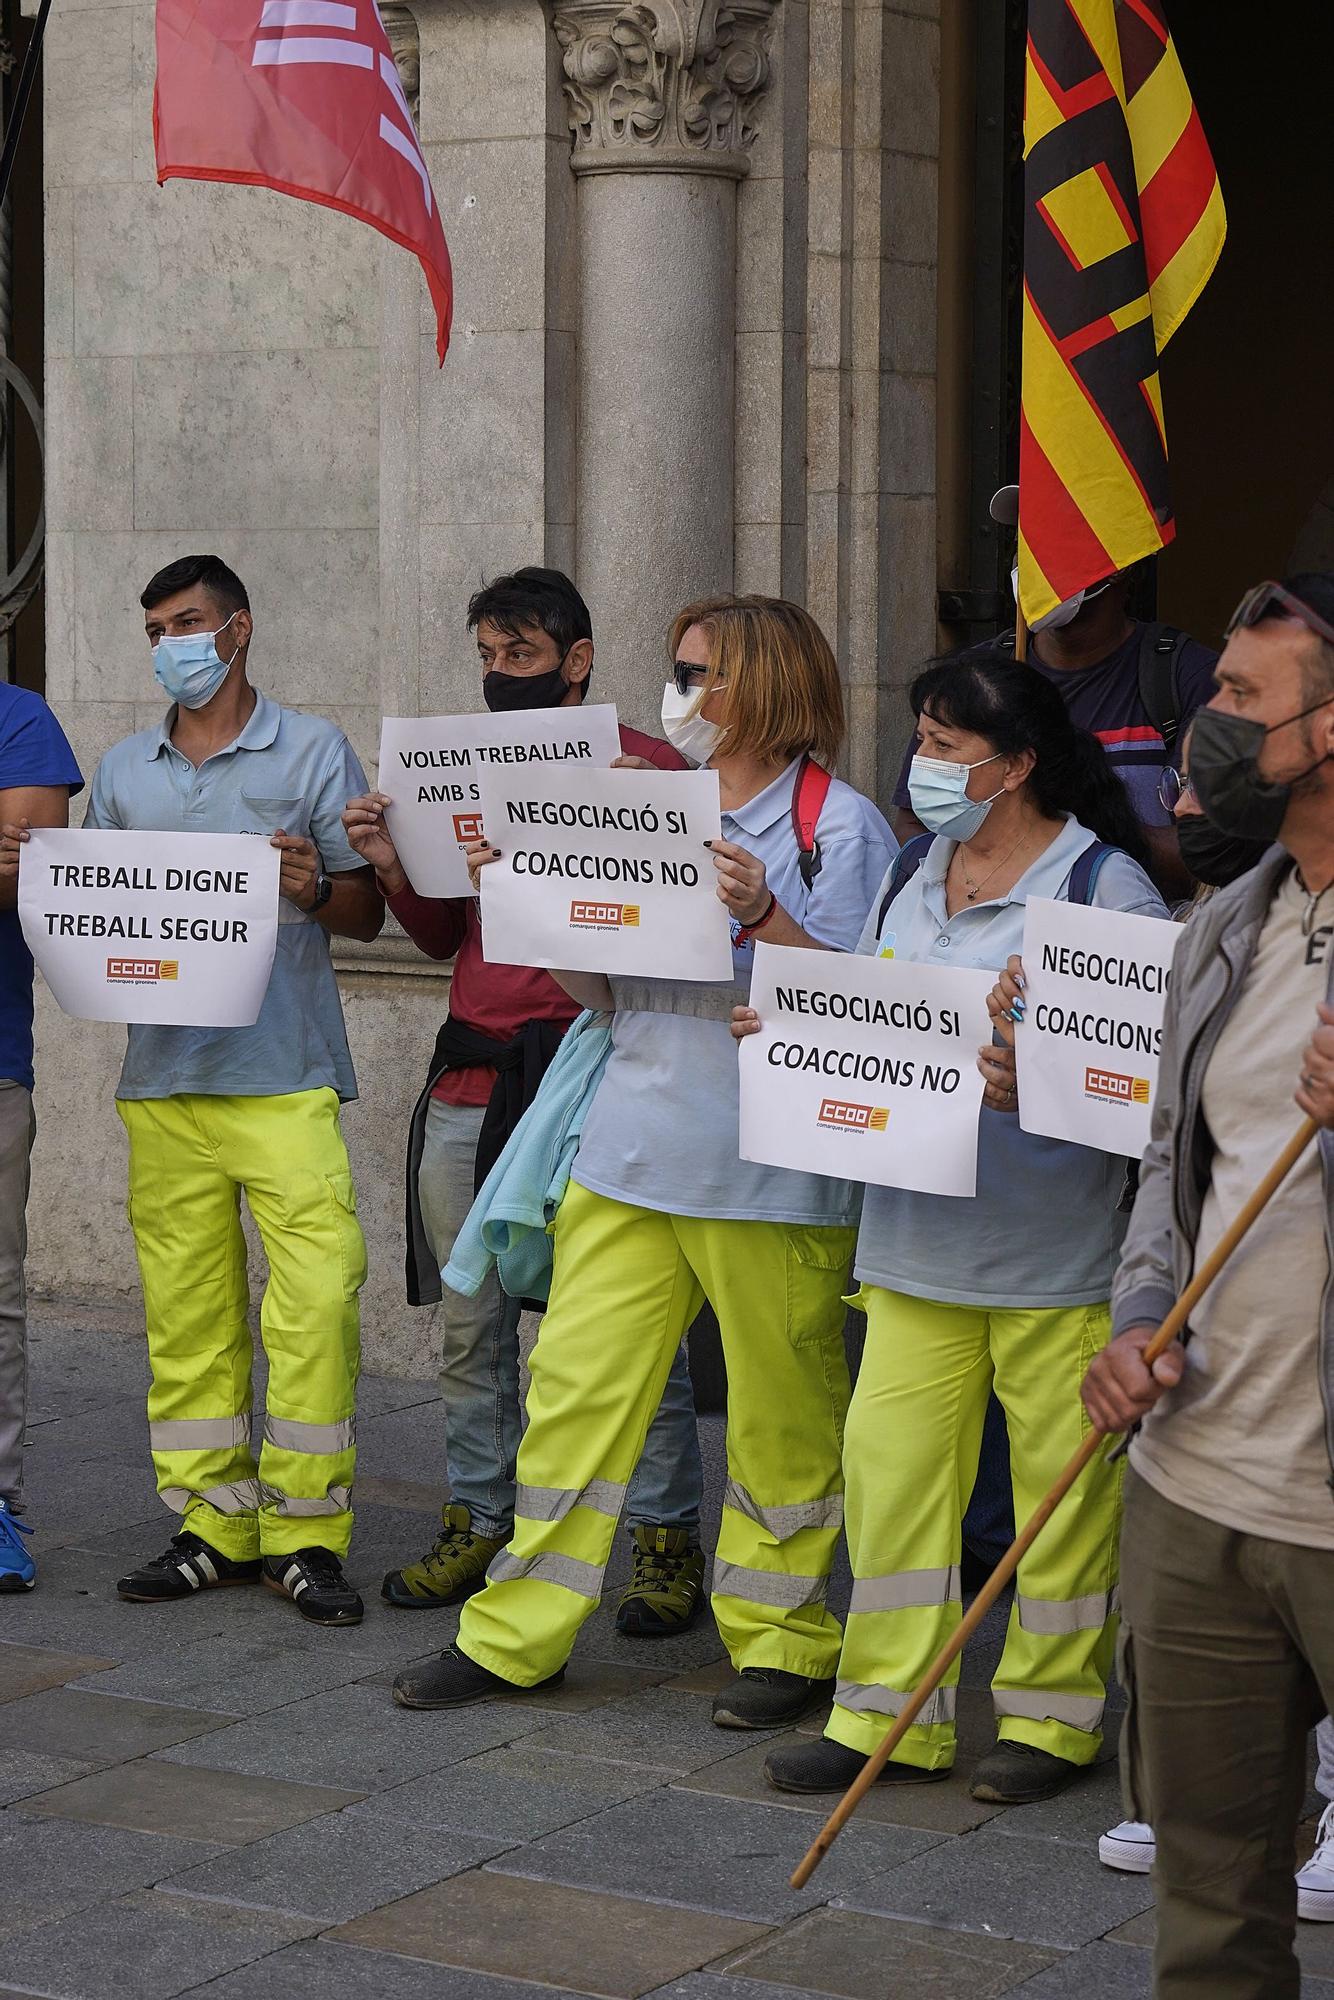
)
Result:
{"points": [[661, 1213]]}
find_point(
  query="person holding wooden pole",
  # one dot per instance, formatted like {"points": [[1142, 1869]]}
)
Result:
{"points": [[1227, 1648]]}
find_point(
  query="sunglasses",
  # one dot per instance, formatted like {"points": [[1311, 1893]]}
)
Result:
{"points": [[689, 676], [1271, 600]]}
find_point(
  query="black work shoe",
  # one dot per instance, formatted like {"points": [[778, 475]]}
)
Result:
{"points": [[769, 1698], [826, 1766], [1017, 1774], [666, 1587], [186, 1566], [452, 1680], [314, 1580]]}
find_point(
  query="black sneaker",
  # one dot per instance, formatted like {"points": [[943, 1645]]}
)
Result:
{"points": [[826, 1766], [314, 1580], [186, 1566], [451, 1680], [769, 1698], [1018, 1774]]}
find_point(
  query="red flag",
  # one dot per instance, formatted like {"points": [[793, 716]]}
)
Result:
{"points": [[301, 96]]}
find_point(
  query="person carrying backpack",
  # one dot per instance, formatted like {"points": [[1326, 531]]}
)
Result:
{"points": [[1009, 1286], [661, 1213]]}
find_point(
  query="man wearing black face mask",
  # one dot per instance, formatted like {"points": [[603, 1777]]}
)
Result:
{"points": [[505, 1022], [1227, 1574]]}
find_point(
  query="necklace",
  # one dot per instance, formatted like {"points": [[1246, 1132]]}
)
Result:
{"points": [[974, 889]]}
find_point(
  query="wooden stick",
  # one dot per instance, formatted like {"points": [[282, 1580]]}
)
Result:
{"points": [[1020, 633], [1046, 1507]]}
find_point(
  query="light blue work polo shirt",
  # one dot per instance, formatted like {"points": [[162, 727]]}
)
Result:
{"points": [[662, 1131], [285, 772], [1043, 1228]]}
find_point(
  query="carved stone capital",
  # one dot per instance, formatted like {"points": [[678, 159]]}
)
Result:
{"points": [[664, 86], [404, 36]]}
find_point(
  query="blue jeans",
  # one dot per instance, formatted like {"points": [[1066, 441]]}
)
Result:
{"points": [[479, 1370], [988, 1526]]}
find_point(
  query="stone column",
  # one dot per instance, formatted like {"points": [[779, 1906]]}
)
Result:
{"points": [[663, 99]]}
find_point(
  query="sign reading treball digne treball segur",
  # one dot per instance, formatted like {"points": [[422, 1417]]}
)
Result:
{"points": [[178, 929], [431, 767]]}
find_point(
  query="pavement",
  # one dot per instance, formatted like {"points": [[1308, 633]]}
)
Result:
{"points": [[214, 1798]]}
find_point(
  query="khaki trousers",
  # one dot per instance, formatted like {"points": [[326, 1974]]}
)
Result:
{"points": [[1228, 1657]]}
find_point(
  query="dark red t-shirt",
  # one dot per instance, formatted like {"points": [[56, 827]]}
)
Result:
{"points": [[496, 1000]]}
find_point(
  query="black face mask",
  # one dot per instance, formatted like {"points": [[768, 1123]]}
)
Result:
{"points": [[1225, 753], [505, 692], [1214, 857]]}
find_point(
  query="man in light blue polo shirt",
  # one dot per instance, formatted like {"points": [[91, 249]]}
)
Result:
{"points": [[214, 1111]]}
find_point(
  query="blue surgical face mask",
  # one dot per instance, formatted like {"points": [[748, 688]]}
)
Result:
{"points": [[189, 669], [939, 796]]}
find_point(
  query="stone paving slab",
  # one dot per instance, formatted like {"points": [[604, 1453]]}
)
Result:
{"points": [[1098, 1972], [354, 1737], [569, 1938], [941, 1808], [51, 1868], [140, 1947], [219, 1807], [1037, 1890], [26, 1670], [652, 1728], [710, 1854], [241, 1673], [330, 1870], [517, 1792], [23, 1772], [96, 1728], [851, 1956], [323, 1970]]}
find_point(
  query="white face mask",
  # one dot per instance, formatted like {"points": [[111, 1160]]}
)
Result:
{"points": [[1064, 612], [685, 730]]}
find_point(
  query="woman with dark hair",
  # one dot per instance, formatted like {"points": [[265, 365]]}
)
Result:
{"points": [[1009, 1286]]}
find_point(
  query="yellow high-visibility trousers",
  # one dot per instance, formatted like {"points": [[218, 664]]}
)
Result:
{"points": [[914, 1434], [627, 1283], [190, 1157]]}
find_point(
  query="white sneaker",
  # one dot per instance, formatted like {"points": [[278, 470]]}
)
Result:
{"points": [[1315, 1882], [1130, 1847]]}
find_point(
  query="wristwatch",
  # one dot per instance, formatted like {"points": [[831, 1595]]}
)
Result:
{"points": [[323, 890]]}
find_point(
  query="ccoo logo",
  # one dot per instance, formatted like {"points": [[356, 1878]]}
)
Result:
{"points": [[604, 916], [467, 826], [853, 1117], [1117, 1089], [141, 971]]}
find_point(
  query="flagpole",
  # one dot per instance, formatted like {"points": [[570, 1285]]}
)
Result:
{"points": [[23, 90], [1020, 633]]}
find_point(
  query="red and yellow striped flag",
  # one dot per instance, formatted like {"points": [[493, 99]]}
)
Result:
{"points": [[1123, 226]]}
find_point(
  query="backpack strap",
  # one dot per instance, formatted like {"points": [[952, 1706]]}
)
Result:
{"points": [[1160, 649], [808, 797], [1088, 866], [905, 865]]}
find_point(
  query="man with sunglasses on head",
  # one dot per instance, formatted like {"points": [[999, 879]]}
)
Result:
{"points": [[1133, 685], [535, 651], [1227, 1574]]}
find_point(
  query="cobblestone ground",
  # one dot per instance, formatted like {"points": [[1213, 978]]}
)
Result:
{"points": [[213, 1798]]}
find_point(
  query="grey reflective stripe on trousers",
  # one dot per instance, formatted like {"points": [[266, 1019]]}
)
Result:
{"points": [[1052, 1617], [584, 1579], [790, 1519], [290, 1434], [337, 1500], [860, 1696], [767, 1586], [200, 1433], [1076, 1711], [906, 1590], [240, 1498], [553, 1503]]}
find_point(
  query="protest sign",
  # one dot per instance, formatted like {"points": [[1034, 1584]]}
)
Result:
{"points": [[430, 766], [1087, 1049], [605, 871], [865, 1069], [173, 928]]}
